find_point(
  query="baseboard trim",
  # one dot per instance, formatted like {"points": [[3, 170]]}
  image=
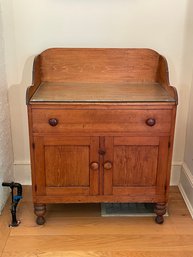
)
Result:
{"points": [[188, 173], [186, 187], [186, 200], [5, 192], [175, 173], [22, 172]]}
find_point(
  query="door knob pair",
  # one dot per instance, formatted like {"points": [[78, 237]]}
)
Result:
{"points": [[107, 165]]}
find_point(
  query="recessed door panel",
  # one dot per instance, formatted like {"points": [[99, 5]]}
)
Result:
{"points": [[135, 165], [138, 164], [67, 165]]}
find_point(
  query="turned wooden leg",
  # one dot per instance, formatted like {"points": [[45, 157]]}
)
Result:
{"points": [[40, 210], [160, 210]]}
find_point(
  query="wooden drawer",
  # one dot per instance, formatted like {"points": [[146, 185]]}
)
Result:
{"points": [[61, 120]]}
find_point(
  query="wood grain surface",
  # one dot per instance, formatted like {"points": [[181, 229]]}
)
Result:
{"points": [[108, 121], [99, 65]]}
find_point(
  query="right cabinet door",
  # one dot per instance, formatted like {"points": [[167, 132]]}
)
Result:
{"points": [[136, 166]]}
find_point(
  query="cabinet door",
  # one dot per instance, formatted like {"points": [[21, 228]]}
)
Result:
{"points": [[66, 165], [135, 165]]}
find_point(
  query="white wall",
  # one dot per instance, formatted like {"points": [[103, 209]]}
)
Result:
{"points": [[187, 81], [188, 156], [42, 24], [188, 50], [186, 179], [6, 151]]}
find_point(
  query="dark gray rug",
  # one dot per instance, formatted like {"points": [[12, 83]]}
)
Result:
{"points": [[127, 209]]}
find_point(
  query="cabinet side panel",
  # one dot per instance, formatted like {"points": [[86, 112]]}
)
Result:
{"points": [[31, 142], [39, 165]]}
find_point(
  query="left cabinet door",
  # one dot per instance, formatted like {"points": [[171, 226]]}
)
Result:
{"points": [[66, 165]]}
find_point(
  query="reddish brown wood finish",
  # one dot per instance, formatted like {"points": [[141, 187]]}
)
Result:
{"points": [[101, 121], [85, 65], [36, 76], [101, 150]]}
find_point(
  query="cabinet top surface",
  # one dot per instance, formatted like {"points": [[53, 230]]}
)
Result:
{"points": [[100, 92]]}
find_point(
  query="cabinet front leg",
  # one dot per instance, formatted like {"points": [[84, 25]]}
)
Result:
{"points": [[160, 210], [40, 211]]}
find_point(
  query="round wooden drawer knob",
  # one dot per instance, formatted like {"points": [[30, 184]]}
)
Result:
{"points": [[150, 122], [108, 165], [94, 165], [53, 122]]}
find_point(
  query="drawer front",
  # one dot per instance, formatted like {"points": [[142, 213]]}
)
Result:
{"points": [[61, 120]]}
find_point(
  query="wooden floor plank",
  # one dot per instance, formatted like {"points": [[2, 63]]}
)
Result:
{"points": [[79, 230], [60, 254], [98, 226], [4, 227], [153, 254], [102, 254], [100, 243]]}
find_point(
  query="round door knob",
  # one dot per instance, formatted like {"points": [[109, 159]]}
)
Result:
{"points": [[94, 165], [108, 165], [53, 122], [150, 122]]}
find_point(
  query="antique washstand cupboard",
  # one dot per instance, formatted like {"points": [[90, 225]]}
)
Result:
{"points": [[101, 125]]}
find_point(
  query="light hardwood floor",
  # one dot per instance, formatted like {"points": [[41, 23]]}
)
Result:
{"points": [[80, 231]]}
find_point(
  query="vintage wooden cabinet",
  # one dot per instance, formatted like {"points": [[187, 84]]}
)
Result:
{"points": [[101, 126]]}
